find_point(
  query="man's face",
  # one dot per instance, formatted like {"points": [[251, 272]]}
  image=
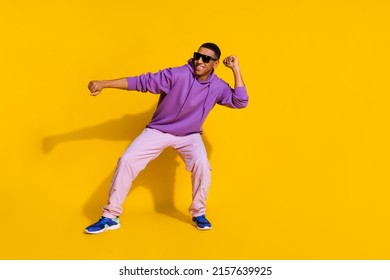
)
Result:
{"points": [[203, 69]]}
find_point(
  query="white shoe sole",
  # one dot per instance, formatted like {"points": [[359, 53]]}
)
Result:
{"points": [[205, 228], [106, 228]]}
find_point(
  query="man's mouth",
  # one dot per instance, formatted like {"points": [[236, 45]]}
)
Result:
{"points": [[199, 67]]}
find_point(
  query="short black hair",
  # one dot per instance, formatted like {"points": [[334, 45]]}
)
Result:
{"points": [[213, 47]]}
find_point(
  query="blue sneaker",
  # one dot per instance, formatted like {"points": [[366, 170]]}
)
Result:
{"points": [[103, 224], [201, 223]]}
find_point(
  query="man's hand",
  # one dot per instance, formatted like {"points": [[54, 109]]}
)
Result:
{"points": [[231, 62], [95, 87]]}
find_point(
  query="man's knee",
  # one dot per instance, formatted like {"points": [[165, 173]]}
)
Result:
{"points": [[200, 165], [127, 160]]}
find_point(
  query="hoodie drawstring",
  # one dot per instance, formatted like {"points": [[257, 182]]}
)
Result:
{"points": [[185, 101], [205, 100]]}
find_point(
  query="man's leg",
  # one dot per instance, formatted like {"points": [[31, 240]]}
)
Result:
{"points": [[146, 147], [192, 150]]}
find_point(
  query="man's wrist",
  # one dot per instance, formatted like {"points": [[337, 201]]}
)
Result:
{"points": [[236, 68], [103, 83]]}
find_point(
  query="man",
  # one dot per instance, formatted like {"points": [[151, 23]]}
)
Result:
{"points": [[187, 95]]}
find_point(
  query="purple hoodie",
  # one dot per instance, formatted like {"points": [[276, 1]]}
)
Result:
{"points": [[184, 100]]}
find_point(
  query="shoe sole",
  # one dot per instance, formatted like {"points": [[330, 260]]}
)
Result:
{"points": [[106, 228], [199, 228]]}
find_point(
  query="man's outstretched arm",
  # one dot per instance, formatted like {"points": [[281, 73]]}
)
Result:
{"points": [[95, 87]]}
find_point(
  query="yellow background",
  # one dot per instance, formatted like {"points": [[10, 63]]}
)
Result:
{"points": [[302, 173]]}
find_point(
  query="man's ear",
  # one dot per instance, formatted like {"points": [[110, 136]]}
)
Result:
{"points": [[216, 63]]}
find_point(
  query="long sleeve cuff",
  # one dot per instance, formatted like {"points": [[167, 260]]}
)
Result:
{"points": [[241, 92], [132, 83]]}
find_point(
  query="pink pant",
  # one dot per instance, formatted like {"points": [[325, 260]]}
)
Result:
{"points": [[146, 147]]}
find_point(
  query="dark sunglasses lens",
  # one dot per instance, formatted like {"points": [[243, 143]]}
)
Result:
{"points": [[206, 58]]}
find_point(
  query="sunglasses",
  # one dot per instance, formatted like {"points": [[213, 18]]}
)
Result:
{"points": [[205, 58]]}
